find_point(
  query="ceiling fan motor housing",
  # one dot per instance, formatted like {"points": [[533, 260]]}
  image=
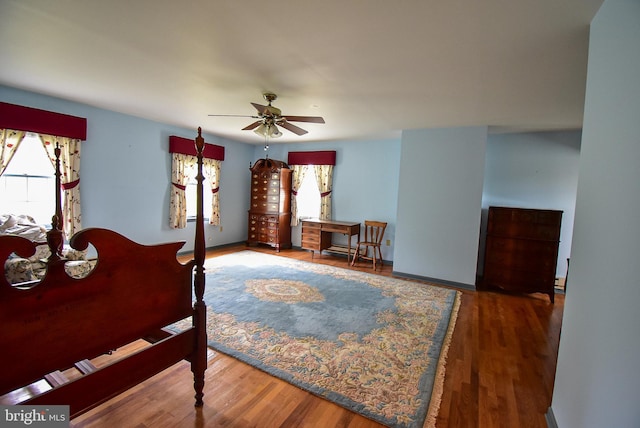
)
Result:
{"points": [[270, 110], [270, 96]]}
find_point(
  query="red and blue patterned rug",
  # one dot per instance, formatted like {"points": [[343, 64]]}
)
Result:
{"points": [[375, 345]]}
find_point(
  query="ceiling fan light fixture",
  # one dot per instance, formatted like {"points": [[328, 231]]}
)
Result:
{"points": [[274, 132], [268, 130], [261, 130]]}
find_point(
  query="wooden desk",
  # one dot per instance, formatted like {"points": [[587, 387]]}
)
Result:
{"points": [[316, 235]]}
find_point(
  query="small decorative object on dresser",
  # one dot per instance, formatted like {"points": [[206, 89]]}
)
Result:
{"points": [[270, 206], [521, 251]]}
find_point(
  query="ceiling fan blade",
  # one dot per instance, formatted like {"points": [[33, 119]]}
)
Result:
{"points": [[311, 119], [261, 109], [254, 125], [292, 128], [233, 115]]}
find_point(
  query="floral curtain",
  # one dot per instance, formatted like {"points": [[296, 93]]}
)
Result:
{"points": [[297, 176], [183, 168], [69, 179], [10, 141], [211, 170], [324, 178]]}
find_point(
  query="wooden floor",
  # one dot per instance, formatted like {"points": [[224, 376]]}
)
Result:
{"points": [[500, 373]]}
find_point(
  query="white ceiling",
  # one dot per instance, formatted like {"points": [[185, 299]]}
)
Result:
{"points": [[371, 68]]}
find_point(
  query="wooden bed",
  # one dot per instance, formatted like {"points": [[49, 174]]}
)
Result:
{"points": [[134, 292]]}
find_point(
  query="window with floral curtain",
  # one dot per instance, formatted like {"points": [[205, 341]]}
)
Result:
{"points": [[321, 163], [53, 128], [324, 179], [10, 139], [211, 170], [183, 168], [298, 173]]}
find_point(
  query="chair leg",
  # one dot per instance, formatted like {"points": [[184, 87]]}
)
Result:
{"points": [[355, 255], [376, 253], [374, 257]]}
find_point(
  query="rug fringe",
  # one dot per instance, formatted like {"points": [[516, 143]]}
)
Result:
{"points": [[438, 384]]}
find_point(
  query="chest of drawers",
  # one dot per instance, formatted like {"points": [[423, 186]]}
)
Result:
{"points": [[270, 204], [521, 250]]}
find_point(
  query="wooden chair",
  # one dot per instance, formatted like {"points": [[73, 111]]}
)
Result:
{"points": [[373, 233]]}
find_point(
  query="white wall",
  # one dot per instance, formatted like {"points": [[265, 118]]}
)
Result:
{"points": [[534, 170], [597, 377], [439, 203]]}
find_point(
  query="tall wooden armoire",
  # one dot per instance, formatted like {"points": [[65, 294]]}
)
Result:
{"points": [[270, 206], [522, 249]]}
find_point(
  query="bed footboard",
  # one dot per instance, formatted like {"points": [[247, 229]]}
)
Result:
{"points": [[132, 292]]}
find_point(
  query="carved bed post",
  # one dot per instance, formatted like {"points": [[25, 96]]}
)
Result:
{"points": [[55, 237], [199, 362]]}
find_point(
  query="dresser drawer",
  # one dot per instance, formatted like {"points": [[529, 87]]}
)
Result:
{"points": [[522, 230], [523, 248], [311, 245], [524, 215], [310, 237], [310, 233], [259, 205], [310, 226], [269, 238], [259, 190], [516, 280]]}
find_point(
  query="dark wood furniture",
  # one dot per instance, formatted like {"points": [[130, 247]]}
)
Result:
{"points": [[521, 251], [317, 235], [270, 207], [133, 293]]}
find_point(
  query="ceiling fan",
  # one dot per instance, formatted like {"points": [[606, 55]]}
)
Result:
{"points": [[270, 117]]}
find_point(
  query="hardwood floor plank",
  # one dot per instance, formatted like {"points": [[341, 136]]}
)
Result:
{"points": [[500, 373]]}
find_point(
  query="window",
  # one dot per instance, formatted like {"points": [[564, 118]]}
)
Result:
{"points": [[27, 186], [308, 198], [190, 194]]}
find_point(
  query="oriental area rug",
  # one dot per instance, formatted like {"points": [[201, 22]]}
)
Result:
{"points": [[375, 345]]}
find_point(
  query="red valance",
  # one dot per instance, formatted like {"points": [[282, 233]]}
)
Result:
{"points": [[326, 157], [30, 119], [188, 147]]}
